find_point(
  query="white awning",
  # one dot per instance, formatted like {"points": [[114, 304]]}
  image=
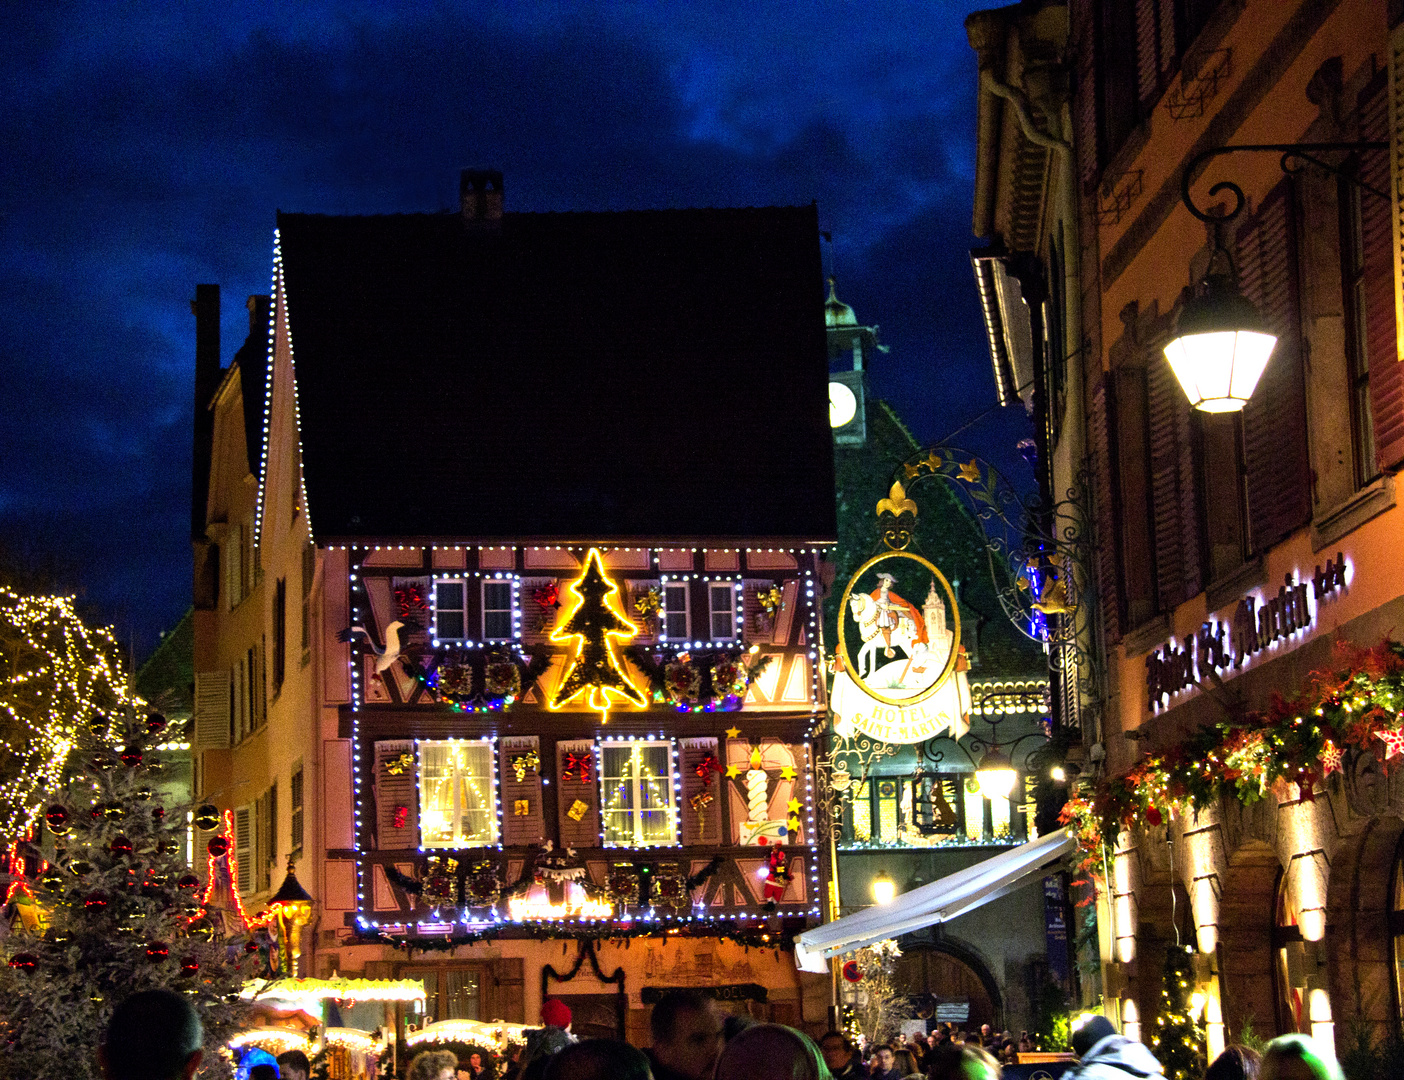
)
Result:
{"points": [[941, 901]]}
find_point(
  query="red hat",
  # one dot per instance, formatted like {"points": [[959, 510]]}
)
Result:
{"points": [[555, 1012]]}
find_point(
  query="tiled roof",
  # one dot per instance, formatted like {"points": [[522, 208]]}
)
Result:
{"points": [[645, 374]]}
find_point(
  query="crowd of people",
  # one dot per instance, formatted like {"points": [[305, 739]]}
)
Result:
{"points": [[157, 1035]]}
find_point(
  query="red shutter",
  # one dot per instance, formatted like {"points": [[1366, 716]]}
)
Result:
{"points": [[1381, 333], [1082, 19], [1104, 516], [1147, 65], [1274, 421]]}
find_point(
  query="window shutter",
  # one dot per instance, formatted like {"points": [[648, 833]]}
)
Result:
{"points": [[785, 617], [635, 589], [1147, 66], [1382, 232], [538, 620], [520, 829], [211, 710], [701, 824], [1274, 420], [243, 849], [1104, 515], [577, 796], [394, 790], [1161, 388], [1083, 21]]}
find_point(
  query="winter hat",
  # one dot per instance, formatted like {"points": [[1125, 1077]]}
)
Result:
{"points": [[1090, 1034], [555, 1012]]}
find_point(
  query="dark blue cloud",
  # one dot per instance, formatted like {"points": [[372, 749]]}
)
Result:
{"points": [[146, 148]]}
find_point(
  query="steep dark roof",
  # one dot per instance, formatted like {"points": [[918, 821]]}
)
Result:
{"points": [[646, 374]]}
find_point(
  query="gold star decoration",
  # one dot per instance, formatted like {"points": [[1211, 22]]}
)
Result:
{"points": [[794, 806], [733, 732], [733, 771], [787, 773], [970, 471], [933, 461], [793, 826], [912, 470]]}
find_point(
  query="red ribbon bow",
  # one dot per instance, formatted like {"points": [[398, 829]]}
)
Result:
{"points": [[706, 768], [578, 764]]}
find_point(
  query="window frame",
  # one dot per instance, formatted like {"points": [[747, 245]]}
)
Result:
{"points": [[1357, 342], [462, 610], [685, 587], [512, 610], [636, 810], [733, 629], [493, 809]]}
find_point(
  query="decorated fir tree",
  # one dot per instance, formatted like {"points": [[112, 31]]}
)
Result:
{"points": [[1177, 1039], [105, 905], [592, 623]]}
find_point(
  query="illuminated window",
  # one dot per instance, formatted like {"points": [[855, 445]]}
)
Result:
{"points": [[450, 616], [676, 624], [636, 794], [722, 600], [862, 812], [497, 610], [457, 794], [888, 799], [974, 811]]}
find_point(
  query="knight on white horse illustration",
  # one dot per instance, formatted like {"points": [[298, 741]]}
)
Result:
{"points": [[885, 614]]}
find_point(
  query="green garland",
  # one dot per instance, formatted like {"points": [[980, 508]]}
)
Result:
{"points": [[1354, 709]]}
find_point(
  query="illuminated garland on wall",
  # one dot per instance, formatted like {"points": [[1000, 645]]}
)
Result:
{"points": [[1357, 708]]}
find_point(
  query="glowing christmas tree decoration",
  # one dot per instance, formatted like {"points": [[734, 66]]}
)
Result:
{"points": [[595, 621]]}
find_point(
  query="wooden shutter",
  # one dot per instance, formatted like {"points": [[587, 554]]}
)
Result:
{"points": [[1274, 421], [701, 825], [1174, 505], [1083, 21], [1167, 37], [785, 617], [1104, 513], [522, 820], [1147, 58], [1381, 235], [243, 849], [578, 795], [538, 620], [1131, 437], [635, 589], [211, 710], [394, 790]]}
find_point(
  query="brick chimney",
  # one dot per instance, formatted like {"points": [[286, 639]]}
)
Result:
{"points": [[480, 194]]}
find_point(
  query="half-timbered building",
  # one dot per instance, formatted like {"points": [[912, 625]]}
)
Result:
{"points": [[532, 543]]}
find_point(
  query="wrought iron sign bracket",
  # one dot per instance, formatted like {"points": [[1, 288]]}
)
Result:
{"points": [[1295, 156]]}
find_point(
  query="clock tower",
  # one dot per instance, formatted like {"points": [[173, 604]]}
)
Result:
{"points": [[850, 347]]}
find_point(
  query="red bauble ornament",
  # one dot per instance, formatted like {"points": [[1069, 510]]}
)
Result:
{"points": [[95, 901], [851, 971], [157, 813], [155, 722], [56, 817], [218, 846], [157, 950], [95, 813], [24, 961], [120, 846], [189, 881], [131, 756], [251, 946], [1153, 816], [189, 965]]}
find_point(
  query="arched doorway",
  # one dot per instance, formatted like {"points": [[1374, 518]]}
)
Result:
{"points": [[1364, 956], [1247, 917], [950, 976]]}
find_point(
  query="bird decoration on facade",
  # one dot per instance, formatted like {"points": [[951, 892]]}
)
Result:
{"points": [[394, 645]]}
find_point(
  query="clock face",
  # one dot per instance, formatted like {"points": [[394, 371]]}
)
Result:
{"points": [[842, 404]]}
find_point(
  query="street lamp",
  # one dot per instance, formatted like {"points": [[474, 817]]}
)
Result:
{"points": [[995, 775], [1220, 348], [884, 889]]}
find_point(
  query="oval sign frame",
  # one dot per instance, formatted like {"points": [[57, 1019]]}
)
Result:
{"points": [[955, 630]]}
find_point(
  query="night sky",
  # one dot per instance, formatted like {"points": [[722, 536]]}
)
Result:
{"points": [[146, 148]]}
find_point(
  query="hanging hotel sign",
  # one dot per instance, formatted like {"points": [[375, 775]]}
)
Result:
{"points": [[1257, 623], [898, 647]]}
